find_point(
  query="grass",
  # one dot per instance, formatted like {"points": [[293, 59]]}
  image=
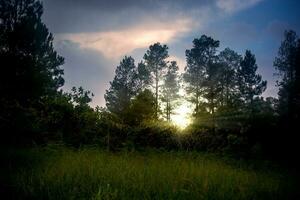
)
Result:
{"points": [[63, 173]]}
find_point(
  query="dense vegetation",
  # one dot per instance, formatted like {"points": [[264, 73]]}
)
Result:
{"points": [[230, 117]]}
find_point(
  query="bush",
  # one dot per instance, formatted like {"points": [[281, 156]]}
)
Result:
{"points": [[152, 134]]}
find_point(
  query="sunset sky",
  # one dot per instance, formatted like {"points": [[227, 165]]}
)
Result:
{"points": [[93, 36]]}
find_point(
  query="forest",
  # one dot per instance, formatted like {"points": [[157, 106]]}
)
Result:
{"points": [[236, 144]]}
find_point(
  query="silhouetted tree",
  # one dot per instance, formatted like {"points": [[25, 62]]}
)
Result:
{"points": [[155, 60], [170, 88], [199, 60], [83, 119], [250, 83], [287, 63], [142, 108], [31, 67], [144, 75], [80, 96], [230, 62], [212, 85], [123, 88]]}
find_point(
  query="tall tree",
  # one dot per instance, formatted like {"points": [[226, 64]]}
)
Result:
{"points": [[229, 63], [155, 60], [170, 88], [31, 67], [212, 85], [199, 60], [123, 88], [287, 63], [249, 82]]}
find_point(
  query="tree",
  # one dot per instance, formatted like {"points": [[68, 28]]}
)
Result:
{"points": [[212, 85], [250, 83], [229, 63], [142, 108], [155, 60], [84, 118], [123, 88], [287, 63], [144, 75], [199, 60], [31, 67], [80, 97], [170, 88]]}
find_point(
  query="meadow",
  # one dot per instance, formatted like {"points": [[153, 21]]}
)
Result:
{"points": [[57, 172]]}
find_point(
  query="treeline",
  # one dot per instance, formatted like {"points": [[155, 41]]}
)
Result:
{"points": [[216, 84], [223, 87]]}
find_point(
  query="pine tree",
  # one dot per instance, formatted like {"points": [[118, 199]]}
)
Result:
{"points": [[170, 89], [123, 88], [142, 108], [31, 70], [250, 83], [230, 62], [155, 61], [287, 63], [30, 66], [200, 61]]}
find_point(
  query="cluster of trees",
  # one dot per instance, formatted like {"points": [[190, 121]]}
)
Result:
{"points": [[137, 92], [224, 82], [223, 86], [32, 106], [214, 83]]}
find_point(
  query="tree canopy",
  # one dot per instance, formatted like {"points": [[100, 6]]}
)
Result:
{"points": [[31, 67]]}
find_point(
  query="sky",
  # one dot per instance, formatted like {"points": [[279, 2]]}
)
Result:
{"points": [[94, 35]]}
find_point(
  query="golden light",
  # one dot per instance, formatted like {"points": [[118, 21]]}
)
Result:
{"points": [[182, 115]]}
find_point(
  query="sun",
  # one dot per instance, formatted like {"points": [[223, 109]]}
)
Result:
{"points": [[182, 115]]}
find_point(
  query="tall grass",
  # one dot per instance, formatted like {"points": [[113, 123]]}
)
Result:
{"points": [[63, 173]]}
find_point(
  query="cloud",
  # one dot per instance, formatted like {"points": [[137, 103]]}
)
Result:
{"points": [[118, 27], [230, 6], [114, 44], [77, 16]]}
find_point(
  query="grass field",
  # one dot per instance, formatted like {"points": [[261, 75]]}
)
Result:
{"points": [[62, 173]]}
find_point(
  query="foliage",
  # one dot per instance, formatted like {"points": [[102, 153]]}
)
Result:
{"points": [[142, 108], [250, 84], [199, 70], [30, 67], [155, 62], [68, 117], [287, 64], [122, 88], [229, 95], [170, 89]]}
